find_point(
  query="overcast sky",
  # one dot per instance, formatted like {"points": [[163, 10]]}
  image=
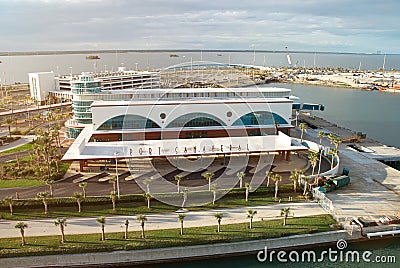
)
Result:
{"points": [[301, 25]]}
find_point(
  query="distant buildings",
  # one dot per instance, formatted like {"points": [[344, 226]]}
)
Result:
{"points": [[85, 88]]}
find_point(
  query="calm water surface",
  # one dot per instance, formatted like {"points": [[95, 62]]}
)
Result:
{"points": [[372, 112]]}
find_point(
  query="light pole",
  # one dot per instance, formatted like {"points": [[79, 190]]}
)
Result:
{"points": [[116, 173]]}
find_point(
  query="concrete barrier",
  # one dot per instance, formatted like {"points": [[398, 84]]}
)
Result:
{"points": [[174, 253]]}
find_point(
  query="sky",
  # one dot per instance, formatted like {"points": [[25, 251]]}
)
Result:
{"points": [[365, 26]]}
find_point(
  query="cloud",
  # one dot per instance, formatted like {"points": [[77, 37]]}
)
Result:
{"points": [[357, 26]]}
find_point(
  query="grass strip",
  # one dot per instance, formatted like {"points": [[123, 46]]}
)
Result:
{"points": [[49, 245]]}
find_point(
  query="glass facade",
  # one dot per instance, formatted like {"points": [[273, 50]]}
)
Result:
{"points": [[195, 120], [129, 121], [260, 118]]}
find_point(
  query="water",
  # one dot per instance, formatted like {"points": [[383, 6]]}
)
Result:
{"points": [[382, 248], [372, 112], [16, 68]]}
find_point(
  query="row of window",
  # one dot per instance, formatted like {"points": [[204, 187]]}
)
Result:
{"points": [[192, 120]]}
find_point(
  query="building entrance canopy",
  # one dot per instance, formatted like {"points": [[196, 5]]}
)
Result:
{"points": [[84, 150]]}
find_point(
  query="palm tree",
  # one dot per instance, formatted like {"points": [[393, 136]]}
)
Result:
{"points": [[293, 178], [78, 197], [247, 186], [306, 181], [147, 197], [43, 196], [285, 213], [181, 217], [50, 183], [313, 158], [114, 183], [303, 127], [333, 153], [83, 185], [147, 182], [178, 179], [276, 178], [113, 195], [214, 188], [102, 221], [142, 219], [321, 134], [269, 175], [208, 176], [22, 226], [337, 141], [250, 214], [218, 216], [184, 197], [241, 176], [9, 201], [62, 222], [126, 229]]}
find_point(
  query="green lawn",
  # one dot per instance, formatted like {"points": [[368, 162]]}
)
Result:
{"points": [[10, 247], [25, 147], [20, 183]]}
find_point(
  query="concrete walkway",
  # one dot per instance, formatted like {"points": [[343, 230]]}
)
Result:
{"points": [[43, 227], [22, 141]]}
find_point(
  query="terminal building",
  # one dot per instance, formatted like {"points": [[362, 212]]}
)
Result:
{"points": [[181, 122]]}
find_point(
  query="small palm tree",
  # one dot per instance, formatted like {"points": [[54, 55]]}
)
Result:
{"points": [[83, 185], [8, 121], [9, 201], [313, 158], [293, 178], [43, 196], [22, 226], [102, 222], [303, 127], [269, 175], [276, 178], [241, 176], [113, 196], [147, 182], [181, 217], [208, 176], [78, 197], [114, 183], [178, 179], [62, 222], [126, 229], [285, 213], [142, 219], [337, 141], [250, 214], [218, 216], [306, 181], [147, 197], [50, 183], [247, 186], [321, 134], [333, 153], [214, 188]]}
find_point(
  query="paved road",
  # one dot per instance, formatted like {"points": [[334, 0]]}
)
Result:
{"points": [[44, 227], [22, 141]]}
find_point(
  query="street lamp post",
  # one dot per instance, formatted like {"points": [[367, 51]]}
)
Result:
{"points": [[116, 173]]}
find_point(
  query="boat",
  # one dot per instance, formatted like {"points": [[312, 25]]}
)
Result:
{"points": [[93, 57], [173, 55]]}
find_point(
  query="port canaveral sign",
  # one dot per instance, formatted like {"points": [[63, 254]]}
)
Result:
{"points": [[183, 147]]}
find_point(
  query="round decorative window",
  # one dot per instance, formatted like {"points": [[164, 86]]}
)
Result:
{"points": [[163, 115], [229, 114]]}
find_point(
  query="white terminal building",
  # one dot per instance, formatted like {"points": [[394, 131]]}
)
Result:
{"points": [[180, 122]]}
